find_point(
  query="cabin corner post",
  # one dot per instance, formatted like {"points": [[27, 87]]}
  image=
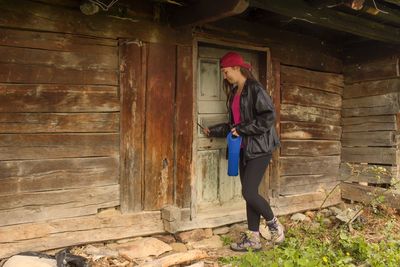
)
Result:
{"points": [[276, 95]]}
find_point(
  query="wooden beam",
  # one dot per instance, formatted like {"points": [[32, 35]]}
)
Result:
{"points": [[206, 11], [376, 11], [331, 19], [395, 2], [284, 45], [366, 194]]}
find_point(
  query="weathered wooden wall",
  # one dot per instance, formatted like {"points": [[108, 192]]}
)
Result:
{"points": [[95, 113], [370, 106], [59, 126], [310, 130]]}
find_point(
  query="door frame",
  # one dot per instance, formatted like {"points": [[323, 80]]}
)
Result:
{"points": [[267, 81]]}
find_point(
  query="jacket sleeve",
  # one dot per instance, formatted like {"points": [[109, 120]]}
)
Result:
{"points": [[264, 115], [219, 130]]}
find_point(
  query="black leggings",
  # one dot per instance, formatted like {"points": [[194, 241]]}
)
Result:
{"points": [[251, 175]]}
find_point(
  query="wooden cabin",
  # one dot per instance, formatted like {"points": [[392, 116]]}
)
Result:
{"points": [[99, 102]]}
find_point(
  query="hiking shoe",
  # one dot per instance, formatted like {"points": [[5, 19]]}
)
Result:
{"points": [[248, 241], [277, 231]]}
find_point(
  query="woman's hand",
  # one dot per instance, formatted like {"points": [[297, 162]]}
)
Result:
{"points": [[234, 132], [206, 131]]}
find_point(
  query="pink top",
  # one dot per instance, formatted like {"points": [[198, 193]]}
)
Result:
{"points": [[236, 109]]}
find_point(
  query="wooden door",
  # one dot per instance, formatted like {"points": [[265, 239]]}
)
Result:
{"points": [[214, 187]]}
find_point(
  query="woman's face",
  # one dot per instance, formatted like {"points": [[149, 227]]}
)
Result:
{"points": [[231, 74]]}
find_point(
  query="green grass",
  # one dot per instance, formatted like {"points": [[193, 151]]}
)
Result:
{"points": [[324, 246]]}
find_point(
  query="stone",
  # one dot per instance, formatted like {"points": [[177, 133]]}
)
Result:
{"points": [[31, 261], [143, 248], [221, 230], [349, 215], [236, 229], [166, 238], [307, 219], [99, 252], [335, 210], [191, 236], [310, 214], [326, 212], [208, 232], [212, 242], [298, 217], [178, 247]]}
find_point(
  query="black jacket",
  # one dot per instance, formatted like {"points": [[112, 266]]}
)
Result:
{"points": [[257, 115]]}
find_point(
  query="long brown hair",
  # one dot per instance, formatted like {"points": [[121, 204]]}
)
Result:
{"points": [[228, 87]]}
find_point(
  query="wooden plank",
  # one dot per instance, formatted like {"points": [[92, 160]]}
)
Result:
{"points": [[391, 99], [304, 180], [374, 174], [372, 105], [390, 109], [381, 69], [299, 202], [74, 231], [309, 188], [206, 184], [306, 130], [284, 45], [57, 98], [199, 12], [15, 73], [378, 138], [41, 17], [48, 146], [43, 175], [211, 107], [57, 41], [293, 94], [328, 82], [369, 123], [332, 19], [66, 3], [58, 122], [184, 126], [310, 148], [371, 88], [80, 60], [368, 51], [365, 194], [375, 155], [309, 165], [159, 156], [133, 97], [42, 206], [310, 114], [303, 204]]}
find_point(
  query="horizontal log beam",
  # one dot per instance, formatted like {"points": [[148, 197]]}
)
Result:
{"points": [[395, 2], [331, 19], [207, 11]]}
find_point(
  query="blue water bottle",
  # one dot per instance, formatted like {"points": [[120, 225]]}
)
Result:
{"points": [[234, 143]]}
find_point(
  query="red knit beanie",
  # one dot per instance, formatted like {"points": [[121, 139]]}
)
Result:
{"points": [[232, 59]]}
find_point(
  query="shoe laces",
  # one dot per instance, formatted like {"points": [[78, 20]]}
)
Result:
{"points": [[245, 237]]}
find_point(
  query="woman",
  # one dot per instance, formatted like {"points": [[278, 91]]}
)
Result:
{"points": [[251, 116]]}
